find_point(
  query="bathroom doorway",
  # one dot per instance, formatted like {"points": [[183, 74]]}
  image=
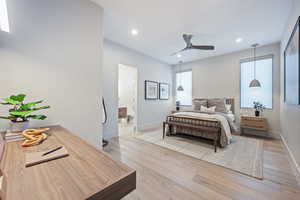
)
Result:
{"points": [[127, 99]]}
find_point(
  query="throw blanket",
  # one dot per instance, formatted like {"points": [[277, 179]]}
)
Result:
{"points": [[227, 125]]}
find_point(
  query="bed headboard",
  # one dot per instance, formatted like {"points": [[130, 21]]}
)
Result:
{"points": [[228, 101], [231, 102]]}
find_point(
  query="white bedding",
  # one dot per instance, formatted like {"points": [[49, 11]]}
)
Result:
{"points": [[231, 116], [224, 123]]}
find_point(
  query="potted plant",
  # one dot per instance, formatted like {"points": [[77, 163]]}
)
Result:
{"points": [[177, 105], [258, 108], [20, 112]]}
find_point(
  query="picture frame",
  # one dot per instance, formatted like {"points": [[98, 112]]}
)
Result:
{"points": [[292, 68], [164, 91], [151, 90]]}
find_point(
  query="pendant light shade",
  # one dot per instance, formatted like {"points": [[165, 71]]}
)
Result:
{"points": [[254, 83], [180, 88]]}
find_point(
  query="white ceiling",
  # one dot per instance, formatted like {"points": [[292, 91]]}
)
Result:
{"points": [[161, 24]]}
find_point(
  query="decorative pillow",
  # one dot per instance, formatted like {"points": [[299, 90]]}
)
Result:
{"points": [[228, 108], [206, 109], [219, 103], [197, 103]]}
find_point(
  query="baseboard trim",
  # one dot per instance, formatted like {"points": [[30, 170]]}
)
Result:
{"points": [[149, 127], [110, 136], [295, 167], [270, 134], [275, 135]]}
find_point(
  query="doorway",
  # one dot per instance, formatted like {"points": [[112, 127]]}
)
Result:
{"points": [[127, 99]]}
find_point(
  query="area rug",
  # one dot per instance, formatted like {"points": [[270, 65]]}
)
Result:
{"points": [[244, 155]]}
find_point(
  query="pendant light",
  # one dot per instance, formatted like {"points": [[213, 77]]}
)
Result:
{"points": [[180, 88], [254, 83]]}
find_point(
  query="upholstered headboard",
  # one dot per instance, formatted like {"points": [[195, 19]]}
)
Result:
{"points": [[231, 102], [228, 101]]}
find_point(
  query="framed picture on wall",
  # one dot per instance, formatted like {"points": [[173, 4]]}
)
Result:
{"points": [[292, 68], [164, 91], [151, 90]]}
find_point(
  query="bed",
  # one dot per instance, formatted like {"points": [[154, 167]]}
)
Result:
{"points": [[216, 126]]}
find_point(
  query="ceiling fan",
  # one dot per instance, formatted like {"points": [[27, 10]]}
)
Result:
{"points": [[187, 38]]}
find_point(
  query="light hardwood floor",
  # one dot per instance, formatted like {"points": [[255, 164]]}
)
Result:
{"points": [[168, 175]]}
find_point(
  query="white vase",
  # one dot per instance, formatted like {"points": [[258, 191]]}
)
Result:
{"points": [[18, 126]]}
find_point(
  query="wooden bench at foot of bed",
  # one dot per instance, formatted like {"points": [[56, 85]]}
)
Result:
{"points": [[210, 127]]}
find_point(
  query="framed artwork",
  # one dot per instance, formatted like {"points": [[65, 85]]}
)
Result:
{"points": [[151, 90], [164, 91], [292, 68]]}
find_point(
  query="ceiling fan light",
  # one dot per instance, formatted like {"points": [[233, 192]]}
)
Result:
{"points": [[254, 83], [180, 88], [134, 32]]}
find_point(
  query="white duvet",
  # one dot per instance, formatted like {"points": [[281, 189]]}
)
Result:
{"points": [[224, 123]]}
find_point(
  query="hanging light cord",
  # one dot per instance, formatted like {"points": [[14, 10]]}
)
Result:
{"points": [[180, 72], [255, 62]]}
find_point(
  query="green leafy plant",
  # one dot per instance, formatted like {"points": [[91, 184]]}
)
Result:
{"points": [[21, 111], [258, 106]]}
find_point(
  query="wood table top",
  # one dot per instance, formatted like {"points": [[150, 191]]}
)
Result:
{"points": [[87, 173]]}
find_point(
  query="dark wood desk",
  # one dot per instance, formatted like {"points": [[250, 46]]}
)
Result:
{"points": [[87, 173]]}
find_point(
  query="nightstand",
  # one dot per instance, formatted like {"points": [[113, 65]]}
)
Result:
{"points": [[254, 123]]}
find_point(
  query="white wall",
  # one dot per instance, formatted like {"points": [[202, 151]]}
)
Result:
{"points": [[219, 77], [54, 52], [290, 114], [151, 112]]}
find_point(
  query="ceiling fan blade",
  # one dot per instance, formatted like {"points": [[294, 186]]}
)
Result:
{"points": [[203, 47], [187, 38], [186, 48]]}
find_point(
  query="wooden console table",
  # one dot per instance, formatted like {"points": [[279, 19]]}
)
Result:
{"points": [[87, 173]]}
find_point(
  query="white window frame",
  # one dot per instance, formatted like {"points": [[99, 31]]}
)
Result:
{"points": [[4, 21], [178, 72], [252, 59]]}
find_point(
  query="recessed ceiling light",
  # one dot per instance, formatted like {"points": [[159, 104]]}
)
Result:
{"points": [[134, 32], [178, 55], [238, 40], [4, 24]]}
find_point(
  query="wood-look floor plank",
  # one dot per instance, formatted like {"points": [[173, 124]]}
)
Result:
{"points": [[150, 159], [165, 173], [147, 177]]}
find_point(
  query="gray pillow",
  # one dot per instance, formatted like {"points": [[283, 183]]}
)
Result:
{"points": [[219, 103], [197, 103]]}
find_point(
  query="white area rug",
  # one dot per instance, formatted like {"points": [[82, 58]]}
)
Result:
{"points": [[244, 155]]}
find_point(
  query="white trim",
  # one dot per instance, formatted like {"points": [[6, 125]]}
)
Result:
{"points": [[270, 134], [275, 134], [292, 157], [148, 127], [111, 135], [4, 23]]}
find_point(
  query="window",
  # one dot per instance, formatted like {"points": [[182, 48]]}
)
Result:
{"points": [[264, 73], [4, 25], [185, 80]]}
